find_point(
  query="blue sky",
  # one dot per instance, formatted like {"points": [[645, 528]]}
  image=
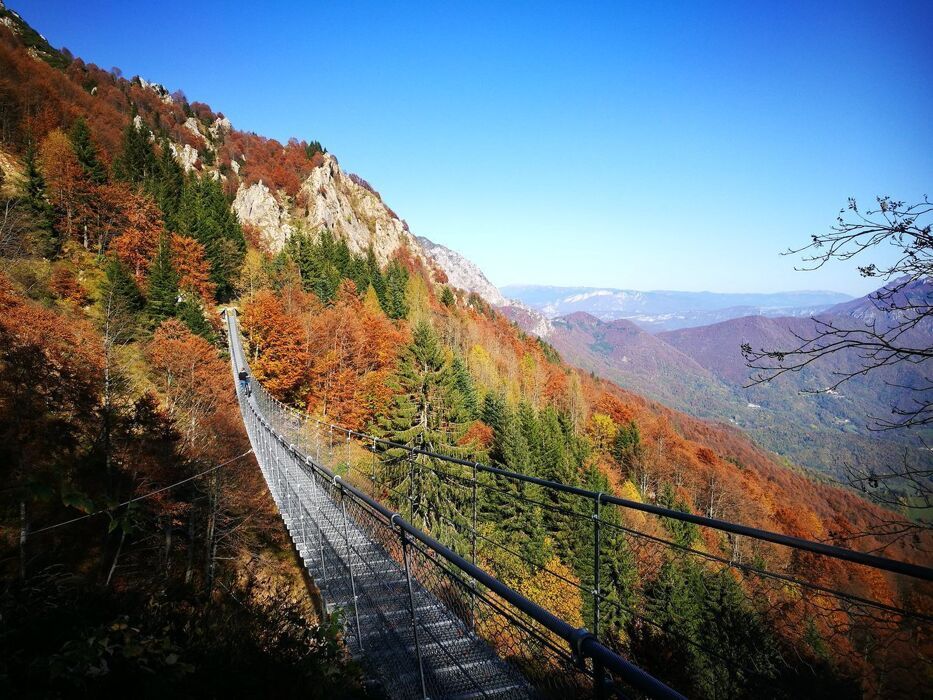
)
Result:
{"points": [[647, 146]]}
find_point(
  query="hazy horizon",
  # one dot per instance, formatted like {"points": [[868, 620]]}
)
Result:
{"points": [[504, 287]]}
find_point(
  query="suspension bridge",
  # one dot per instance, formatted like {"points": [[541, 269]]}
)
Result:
{"points": [[427, 622]]}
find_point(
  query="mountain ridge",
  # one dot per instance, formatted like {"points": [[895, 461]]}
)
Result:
{"points": [[659, 310]]}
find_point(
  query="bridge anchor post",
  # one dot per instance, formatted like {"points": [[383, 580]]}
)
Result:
{"points": [[346, 535], [414, 616]]}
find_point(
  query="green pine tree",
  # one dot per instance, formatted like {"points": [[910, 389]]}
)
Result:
{"points": [[41, 217], [86, 151], [714, 642], [119, 293], [167, 185], [163, 285], [396, 283], [626, 448], [136, 162], [376, 278], [425, 414], [464, 385], [447, 297], [191, 313], [509, 503], [205, 215]]}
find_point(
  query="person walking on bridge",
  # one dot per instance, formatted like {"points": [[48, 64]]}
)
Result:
{"points": [[244, 382]]}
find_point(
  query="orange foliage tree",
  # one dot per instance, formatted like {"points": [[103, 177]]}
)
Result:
{"points": [[67, 185], [197, 390], [139, 225], [352, 350], [280, 357], [190, 261]]}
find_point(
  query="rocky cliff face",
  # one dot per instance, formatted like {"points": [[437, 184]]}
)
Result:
{"points": [[352, 211], [461, 272], [328, 198], [256, 205]]}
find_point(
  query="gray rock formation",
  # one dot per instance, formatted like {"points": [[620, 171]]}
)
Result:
{"points": [[461, 272], [256, 205], [352, 212]]}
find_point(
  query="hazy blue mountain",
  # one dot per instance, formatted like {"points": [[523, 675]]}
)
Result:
{"points": [[701, 370], [670, 310]]}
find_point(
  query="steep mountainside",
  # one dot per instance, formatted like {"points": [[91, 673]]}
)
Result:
{"points": [[665, 310], [635, 359]]}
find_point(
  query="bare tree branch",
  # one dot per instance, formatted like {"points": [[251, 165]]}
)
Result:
{"points": [[896, 332]]}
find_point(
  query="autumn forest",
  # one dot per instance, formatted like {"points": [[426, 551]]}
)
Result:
{"points": [[119, 248]]}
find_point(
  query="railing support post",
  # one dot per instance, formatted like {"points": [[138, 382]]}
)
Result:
{"points": [[473, 555], [597, 592], [346, 535], [600, 681], [372, 469], [414, 616], [411, 488]]}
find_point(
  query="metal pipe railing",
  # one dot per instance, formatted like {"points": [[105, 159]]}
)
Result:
{"points": [[833, 551]]}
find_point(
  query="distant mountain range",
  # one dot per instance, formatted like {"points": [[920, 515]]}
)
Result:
{"points": [[701, 370], [669, 310]]}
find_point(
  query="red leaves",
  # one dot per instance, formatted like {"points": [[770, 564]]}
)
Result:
{"points": [[337, 359]]}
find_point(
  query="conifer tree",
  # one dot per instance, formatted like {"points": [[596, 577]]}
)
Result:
{"points": [[565, 513], [376, 278], [136, 162], [464, 385], [626, 448], [86, 151], [166, 187], [204, 215], [493, 415], [424, 414], [447, 297], [508, 502], [396, 282], [191, 313], [38, 206], [119, 289], [163, 284]]}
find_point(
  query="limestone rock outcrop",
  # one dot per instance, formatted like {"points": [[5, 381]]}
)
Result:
{"points": [[353, 212], [462, 272], [257, 206]]}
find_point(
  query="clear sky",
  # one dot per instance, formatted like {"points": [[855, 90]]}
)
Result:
{"points": [[660, 145]]}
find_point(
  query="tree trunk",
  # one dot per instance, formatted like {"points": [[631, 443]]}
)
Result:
{"points": [[23, 529], [209, 534], [116, 557], [189, 572], [168, 548]]}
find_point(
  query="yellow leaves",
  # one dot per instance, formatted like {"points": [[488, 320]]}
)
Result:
{"points": [[418, 298], [602, 431], [482, 367], [555, 588], [371, 301]]}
